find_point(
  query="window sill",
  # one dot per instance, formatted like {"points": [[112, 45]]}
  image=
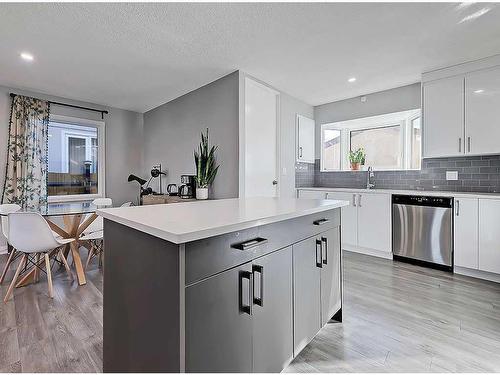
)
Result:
{"points": [[73, 198]]}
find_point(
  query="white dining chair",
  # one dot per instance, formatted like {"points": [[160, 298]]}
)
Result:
{"points": [[5, 210], [102, 202], [95, 240], [94, 232], [98, 224], [39, 241]]}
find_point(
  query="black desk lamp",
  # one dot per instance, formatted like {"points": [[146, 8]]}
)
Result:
{"points": [[141, 182]]}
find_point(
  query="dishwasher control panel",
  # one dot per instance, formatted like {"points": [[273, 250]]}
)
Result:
{"points": [[417, 200]]}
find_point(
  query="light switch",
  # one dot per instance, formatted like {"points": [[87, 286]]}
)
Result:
{"points": [[452, 175]]}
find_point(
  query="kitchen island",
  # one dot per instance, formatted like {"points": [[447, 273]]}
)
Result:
{"points": [[232, 285]]}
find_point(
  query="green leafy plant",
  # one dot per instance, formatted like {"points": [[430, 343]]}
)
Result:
{"points": [[358, 156], [204, 158]]}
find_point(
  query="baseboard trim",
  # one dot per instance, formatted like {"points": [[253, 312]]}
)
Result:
{"points": [[484, 275], [366, 251]]}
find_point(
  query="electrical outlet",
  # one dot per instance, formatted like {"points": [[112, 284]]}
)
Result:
{"points": [[452, 175]]}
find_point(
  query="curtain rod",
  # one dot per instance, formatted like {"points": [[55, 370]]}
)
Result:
{"points": [[102, 112]]}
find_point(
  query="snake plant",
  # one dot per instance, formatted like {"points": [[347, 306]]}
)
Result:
{"points": [[204, 158]]}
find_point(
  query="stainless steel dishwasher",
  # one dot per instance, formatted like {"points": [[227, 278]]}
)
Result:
{"points": [[422, 230]]}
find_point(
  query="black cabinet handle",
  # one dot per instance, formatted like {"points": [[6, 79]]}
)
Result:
{"points": [[324, 240], [249, 244], [258, 269], [318, 246], [246, 308], [321, 221]]}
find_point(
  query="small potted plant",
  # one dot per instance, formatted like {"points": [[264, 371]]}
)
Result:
{"points": [[206, 168], [357, 158]]}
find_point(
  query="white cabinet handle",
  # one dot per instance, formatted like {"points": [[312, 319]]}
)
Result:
{"points": [[468, 144], [359, 200], [354, 200], [459, 144], [300, 152], [458, 208]]}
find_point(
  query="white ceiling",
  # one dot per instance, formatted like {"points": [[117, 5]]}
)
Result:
{"points": [[138, 56]]}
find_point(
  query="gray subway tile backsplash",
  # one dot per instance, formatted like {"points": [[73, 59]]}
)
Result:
{"points": [[475, 174]]}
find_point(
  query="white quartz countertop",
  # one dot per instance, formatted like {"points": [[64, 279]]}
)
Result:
{"points": [[185, 222], [408, 192]]}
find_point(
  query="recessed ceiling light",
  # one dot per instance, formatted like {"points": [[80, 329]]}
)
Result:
{"points": [[478, 91], [352, 79], [465, 5], [475, 15], [27, 56]]}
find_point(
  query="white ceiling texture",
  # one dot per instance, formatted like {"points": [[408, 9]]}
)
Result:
{"points": [[139, 55]]}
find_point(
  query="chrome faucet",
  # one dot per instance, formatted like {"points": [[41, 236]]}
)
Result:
{"points": [[369, 184]]}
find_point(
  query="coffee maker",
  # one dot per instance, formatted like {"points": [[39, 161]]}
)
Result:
{"points": [[188, 187]]}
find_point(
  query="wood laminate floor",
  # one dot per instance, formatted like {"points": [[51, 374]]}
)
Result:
{"points": [[397, 318]]}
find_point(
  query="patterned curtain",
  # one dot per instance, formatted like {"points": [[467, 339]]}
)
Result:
{"points": [[27, 158]]}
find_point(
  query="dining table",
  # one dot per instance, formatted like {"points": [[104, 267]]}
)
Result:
{"points": [[68, 220]]}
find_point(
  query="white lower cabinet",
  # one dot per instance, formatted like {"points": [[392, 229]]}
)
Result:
{"points": [[312, 194], [366, 222], [374, 222], [349, 217], [367, 228], [489, 235], [466, 251]]}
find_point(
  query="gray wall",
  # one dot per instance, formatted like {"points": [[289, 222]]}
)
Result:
{"points": [[123, 141], [172, 132], [393, 100]]}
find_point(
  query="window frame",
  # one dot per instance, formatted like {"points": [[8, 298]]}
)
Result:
{"points": [[409, 149], [101, 157], [402, 118], [323, 150]]}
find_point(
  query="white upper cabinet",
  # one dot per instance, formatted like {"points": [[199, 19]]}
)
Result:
{"points": [[443, 106], [482, 114], [466, 233], [305, 139]]}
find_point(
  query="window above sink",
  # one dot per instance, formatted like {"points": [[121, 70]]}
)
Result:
{"points": [[391, 141]]}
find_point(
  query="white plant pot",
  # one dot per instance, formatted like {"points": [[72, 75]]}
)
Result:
{"points": [[201, 193]]}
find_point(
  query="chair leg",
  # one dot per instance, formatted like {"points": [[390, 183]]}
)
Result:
{"points": [[37, 270], [49, 275], [7, 265], [91, 254], [14, 280], [66, 265]]}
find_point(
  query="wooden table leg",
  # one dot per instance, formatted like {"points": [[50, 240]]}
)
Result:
{"points": [[80, 273]]}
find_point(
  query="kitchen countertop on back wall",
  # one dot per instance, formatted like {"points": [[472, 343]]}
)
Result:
{"points": [[435, 193]]}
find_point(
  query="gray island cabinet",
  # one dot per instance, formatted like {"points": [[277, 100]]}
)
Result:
{"points": [[234, 285]]}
